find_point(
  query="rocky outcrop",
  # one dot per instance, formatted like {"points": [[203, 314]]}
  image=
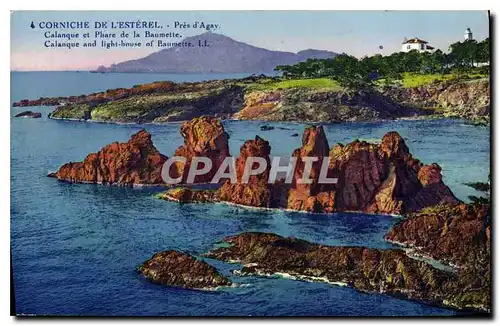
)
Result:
{"points": [[449, 233], [312, 196], [28, 114], [388, 271], [468, 99], [257, 191], [320, 105], [375, 178], [459, 235], [385, 178], [372, 178], [187, 195], [136, 162], [178, 269], [203, 137], [156, 102]]}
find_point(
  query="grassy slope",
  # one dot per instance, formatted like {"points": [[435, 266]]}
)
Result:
{"points": [[415, 80], [409, 80], [311, 83]]}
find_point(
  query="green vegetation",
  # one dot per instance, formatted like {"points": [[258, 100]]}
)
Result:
{"points": [[128, 108], [72, 111], [311, 83], [412, 68], [415, 80], [149, 106]]}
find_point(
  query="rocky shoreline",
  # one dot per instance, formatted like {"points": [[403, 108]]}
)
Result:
{"points": [[257, 99], [381, 178], [388, 271]]}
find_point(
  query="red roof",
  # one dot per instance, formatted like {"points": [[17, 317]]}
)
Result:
{"points": [[415, 40]]}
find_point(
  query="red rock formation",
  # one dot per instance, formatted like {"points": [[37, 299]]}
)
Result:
{"points": [[257, 192], [136, 162], [203, 137], [433, 191], [311, 197], [385, 178], [400, 181], [360, 171]]}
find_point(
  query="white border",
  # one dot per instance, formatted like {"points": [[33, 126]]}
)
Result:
{"points": [[198, 5]]}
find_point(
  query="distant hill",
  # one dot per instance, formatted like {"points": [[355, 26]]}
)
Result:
{"points": [[224, 55], [315, 54]]}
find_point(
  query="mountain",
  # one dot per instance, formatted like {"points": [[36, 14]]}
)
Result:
{"points": [[223, 55]]}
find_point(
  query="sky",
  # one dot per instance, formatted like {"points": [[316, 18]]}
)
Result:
{"points": [[357, 33]]}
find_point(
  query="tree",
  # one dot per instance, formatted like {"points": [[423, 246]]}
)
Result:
{"points": [[464, 54], [351, 71], [483, 51]]}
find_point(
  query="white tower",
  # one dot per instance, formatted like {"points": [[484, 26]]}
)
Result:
{"points": [[468, 35]]}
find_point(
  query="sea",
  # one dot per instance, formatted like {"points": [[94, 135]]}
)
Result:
{"points": [[75, 247]]}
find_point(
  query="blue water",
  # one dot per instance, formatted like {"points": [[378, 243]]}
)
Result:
{"points": [[75, 247]]}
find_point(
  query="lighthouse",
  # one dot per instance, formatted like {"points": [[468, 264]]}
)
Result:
{"points": [[468, 35]]}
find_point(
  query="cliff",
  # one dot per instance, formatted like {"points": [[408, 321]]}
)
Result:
{"points": [[467, 99], [156, 102], [321, 105]]}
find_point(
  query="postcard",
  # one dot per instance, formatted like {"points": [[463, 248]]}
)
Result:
{"points": [[250, 163]]}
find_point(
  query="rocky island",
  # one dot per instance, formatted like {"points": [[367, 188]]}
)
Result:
{"points": [[458, 235], [178, 269], [28, 114], [449, 233], [136, 162]]}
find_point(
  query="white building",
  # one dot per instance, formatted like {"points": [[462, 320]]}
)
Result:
{"points": [[416, 44], [468, 35]]}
